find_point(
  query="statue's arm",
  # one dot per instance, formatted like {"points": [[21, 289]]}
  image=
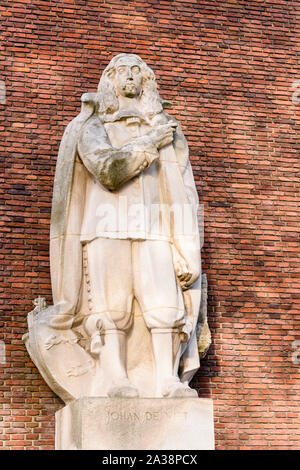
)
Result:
{"points": [[111, 166]]}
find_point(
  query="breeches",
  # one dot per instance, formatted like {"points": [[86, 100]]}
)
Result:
{"points": [[117, 271]]}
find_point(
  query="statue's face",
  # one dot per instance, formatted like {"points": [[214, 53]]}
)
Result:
{"points": [[128, 78]]}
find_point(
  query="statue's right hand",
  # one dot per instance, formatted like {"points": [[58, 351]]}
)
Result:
{"points": [[163, 135]]}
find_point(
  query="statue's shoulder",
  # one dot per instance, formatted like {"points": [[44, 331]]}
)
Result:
{"points": [[94, 121], [93, 127]]}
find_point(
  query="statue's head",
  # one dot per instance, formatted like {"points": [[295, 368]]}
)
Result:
{"points": [[127, 75]]}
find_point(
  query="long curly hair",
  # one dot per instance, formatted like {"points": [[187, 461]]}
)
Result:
{"points": [[107, 101]]}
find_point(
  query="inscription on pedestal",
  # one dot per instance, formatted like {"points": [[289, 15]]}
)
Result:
{"points": [[111, 415]]}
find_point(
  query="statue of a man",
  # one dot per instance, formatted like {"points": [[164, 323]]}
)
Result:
{"points": [[124, 230]]}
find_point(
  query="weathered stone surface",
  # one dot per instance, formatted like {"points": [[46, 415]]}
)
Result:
{"points": [[136, 424]]}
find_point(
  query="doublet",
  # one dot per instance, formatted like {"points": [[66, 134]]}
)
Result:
{"points": [[133, 210]]}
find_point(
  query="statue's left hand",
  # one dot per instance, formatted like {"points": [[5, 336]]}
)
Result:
{"points": [[184, 273]]}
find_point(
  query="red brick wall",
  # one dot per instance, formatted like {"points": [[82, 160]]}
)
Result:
{"points": [[229, 68]]}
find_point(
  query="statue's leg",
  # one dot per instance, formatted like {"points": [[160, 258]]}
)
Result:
{"points": [[113, 363], [160, 297], [165, 351], [108, 268]]}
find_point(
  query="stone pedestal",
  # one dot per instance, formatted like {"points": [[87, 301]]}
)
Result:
{"points": [[136, 424]]}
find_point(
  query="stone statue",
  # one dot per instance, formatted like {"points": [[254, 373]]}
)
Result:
{"points": [[124, 249]]}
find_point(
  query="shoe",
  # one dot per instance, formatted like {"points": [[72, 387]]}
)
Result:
{"points": [[123, 389], [173, 388]]}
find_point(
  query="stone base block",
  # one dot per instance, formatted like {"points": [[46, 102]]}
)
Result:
{"points": [[136, 424]]}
